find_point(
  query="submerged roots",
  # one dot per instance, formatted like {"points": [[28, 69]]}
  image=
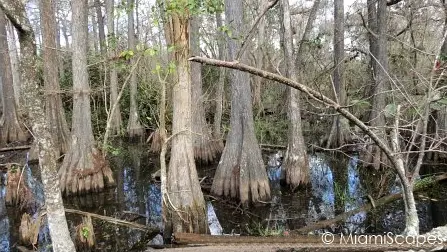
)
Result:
{"points": [[29, 229], [12, 132], [84, 172], [208, 150]]}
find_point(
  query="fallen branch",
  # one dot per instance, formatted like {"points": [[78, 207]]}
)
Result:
{"points": [[365, 208], [23, 147], [272, 146], [309, 92], [115, 221]]}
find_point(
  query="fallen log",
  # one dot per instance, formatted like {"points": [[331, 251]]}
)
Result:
{"points": [[115, 221], [23, 147], [365, 208]]}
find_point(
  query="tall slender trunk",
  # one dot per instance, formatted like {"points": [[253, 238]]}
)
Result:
{"points": [[339, 134], [257, 83], [185, 204], [101, 32], [117, 122], [53, 104], [11, 126], [134, 128], [379, 60], [205, 148], [221, 83], [14, 57], [94, 35], [84, 169], [296, 162], [60, 235], [240, 173]]}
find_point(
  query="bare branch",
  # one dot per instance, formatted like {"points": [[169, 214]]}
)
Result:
{"points": [[311, 93], [267, 7], [392, 2]]}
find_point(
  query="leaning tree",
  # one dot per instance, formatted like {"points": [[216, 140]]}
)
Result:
{"points": [[57, 223], [184, 203], [84, 168], [241, 172]]}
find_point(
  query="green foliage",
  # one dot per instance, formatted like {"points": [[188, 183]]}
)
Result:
{"points": [[424, 183], [194, 7], [271, 129], [341, 195], [115, 151], [85, 232], [258, 229], [390, 110], [127, 54]]}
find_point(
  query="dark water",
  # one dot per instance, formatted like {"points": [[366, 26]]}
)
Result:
{"points": [[337, 185]]}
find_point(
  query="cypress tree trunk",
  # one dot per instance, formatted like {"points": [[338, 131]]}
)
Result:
{"points": [[84, 169], [379, 61], [296, 163], [53, 104], [185, 206], [116, 122], [220, 85], [11, 127], [57, 223], [134, 128], [241, 173], [339, 134], [205, 148]]}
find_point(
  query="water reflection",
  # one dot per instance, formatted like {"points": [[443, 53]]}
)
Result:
{"points": [[153, 207], [321, 203], [4, 222], [137, 198], [296, 210]]}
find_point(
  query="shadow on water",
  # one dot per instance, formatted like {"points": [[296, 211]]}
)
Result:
{"points": [[337, 185]]}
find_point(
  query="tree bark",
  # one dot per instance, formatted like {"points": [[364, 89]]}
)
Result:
{"points": [[220, 84], [241, 172], [379, 61], [257, 81], [296, 164], [94, 36], [53, 104], [339, 134], [134, 128], [101, 32], [60, 236], [14, 57], [11, 126], [205, 148], [84, 169], [116, 122], [185, 205]]}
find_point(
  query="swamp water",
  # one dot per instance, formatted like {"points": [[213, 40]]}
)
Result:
{"points": [[336, 185]]}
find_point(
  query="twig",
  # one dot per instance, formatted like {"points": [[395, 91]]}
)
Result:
{"points": [[115, 103], [268, 6], [114, 220]]}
